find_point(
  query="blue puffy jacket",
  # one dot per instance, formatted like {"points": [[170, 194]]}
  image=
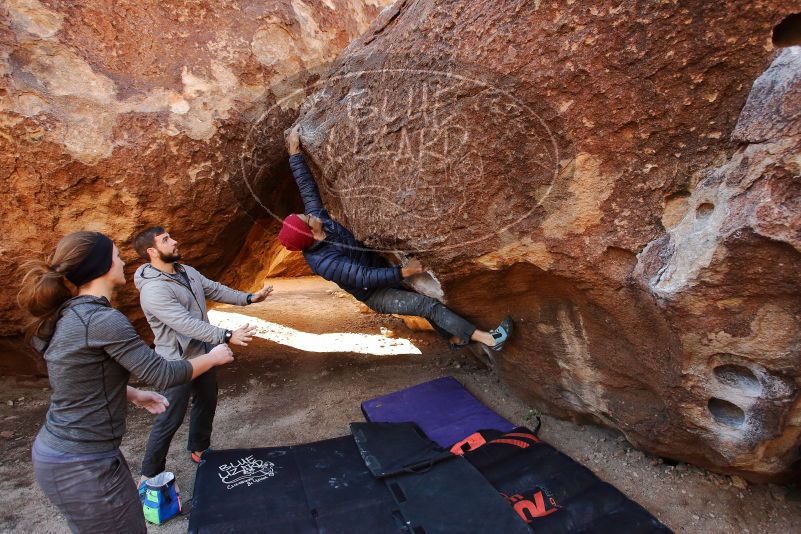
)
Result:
{"points": [[341, 258]]}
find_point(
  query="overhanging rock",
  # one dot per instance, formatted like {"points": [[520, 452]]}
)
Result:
{"points": [[575, 166]]}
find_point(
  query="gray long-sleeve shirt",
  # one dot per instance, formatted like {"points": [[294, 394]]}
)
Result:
{"points": [[93, 351], [177, 312]]}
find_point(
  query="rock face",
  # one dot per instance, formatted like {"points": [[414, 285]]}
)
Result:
{"points": [[592, 171], [116, 117]]}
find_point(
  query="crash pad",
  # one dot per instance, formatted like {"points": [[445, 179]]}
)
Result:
{"points": [[326, 488], [553, 493], [437, 492], [443, 409], [321, 487]]}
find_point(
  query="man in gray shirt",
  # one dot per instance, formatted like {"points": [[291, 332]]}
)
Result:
{"points": [[173, 298]]}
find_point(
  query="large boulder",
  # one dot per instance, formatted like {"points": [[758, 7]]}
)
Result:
{"points": [[578, 166], [119, 115]]}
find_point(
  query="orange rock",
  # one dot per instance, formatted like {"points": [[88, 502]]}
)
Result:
{"points": [[115, 117]]}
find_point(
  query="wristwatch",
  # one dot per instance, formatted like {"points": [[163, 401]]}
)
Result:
{"points": [[227, 336], [250, 298]]}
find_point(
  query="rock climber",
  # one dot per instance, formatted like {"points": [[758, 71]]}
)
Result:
{"points": [[335, 254]]}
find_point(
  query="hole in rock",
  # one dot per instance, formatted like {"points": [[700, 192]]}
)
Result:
{"points": [[739, 377], [788, 32], [703, 211], [726, 412]]}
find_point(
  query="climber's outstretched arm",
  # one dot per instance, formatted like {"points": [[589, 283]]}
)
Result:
{"points": [[312, 203]]}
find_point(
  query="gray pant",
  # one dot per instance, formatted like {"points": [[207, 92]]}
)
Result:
{"points": [[94, 495], [446, 322], [203, 393]]}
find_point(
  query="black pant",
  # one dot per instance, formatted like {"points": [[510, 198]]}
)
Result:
{"points": [[203, 391], [391, 300]]}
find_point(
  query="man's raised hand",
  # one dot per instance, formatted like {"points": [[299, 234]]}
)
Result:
{"points": [[262, 294], [243, 335], [293, 140]]}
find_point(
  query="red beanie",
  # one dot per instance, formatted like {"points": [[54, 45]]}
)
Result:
{"points": [[295, 234]]}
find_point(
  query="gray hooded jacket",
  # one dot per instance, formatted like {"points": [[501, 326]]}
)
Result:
{"points": [[177, 313]]}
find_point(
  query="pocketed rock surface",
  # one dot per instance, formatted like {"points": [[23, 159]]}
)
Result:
{"points": [[623, 179]]}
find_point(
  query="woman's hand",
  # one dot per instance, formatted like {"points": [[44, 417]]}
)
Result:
{"points": [[219, 355], [149, 400], [222, 354]]}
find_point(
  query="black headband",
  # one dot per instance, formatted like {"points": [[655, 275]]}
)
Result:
{"points": [[95, 264]]}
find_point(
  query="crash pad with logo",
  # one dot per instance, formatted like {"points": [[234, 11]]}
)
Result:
{"points": [[550, 491], [314, 487], [326, 487]]}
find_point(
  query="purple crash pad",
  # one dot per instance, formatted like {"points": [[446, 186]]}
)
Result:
{"points": [[442, 408]]}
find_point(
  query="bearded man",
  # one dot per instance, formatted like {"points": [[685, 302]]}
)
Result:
{"points": [[173, 297]]}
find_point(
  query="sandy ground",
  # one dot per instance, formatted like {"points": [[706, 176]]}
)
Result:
{"points": [[276, 394]]}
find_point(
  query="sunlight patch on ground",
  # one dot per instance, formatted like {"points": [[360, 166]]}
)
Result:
{"points": [[335, 342]]}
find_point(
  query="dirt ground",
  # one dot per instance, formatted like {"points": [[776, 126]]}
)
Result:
{"points": [[275, 394]]}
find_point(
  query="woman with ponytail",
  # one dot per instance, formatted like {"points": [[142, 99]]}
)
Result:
{"points": [[91, 349]]}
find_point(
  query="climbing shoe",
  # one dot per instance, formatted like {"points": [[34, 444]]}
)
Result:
{"points": [[197, 458], [502, 333]]}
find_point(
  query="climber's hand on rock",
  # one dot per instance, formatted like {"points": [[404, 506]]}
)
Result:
{"points": [[413, 267], [293, 140]]}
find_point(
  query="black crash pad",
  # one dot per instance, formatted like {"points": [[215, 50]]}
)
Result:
{"points": [[326, 487], [321, 487], [396, 448], [436, 491], [553, 493]]}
